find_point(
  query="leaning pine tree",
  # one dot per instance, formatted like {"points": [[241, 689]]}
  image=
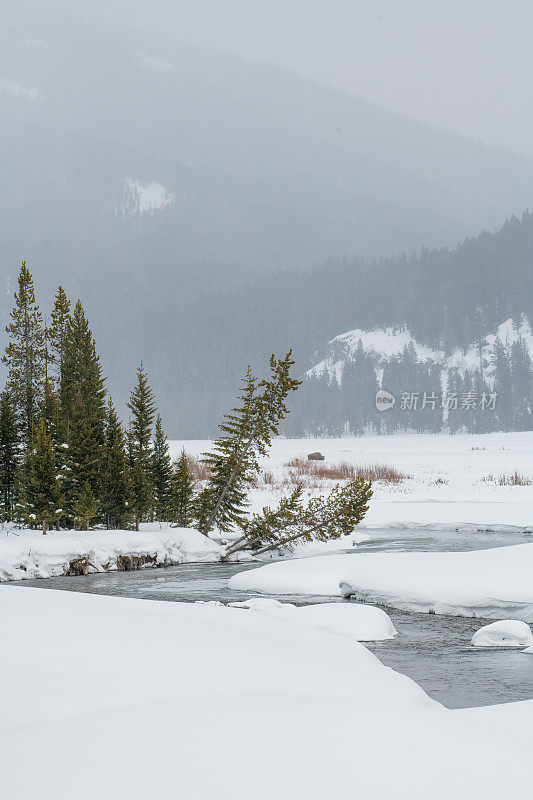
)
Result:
{"points": [[323, 518], [247, 434]]}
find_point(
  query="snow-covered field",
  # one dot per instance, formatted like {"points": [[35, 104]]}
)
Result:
{"points": [[496, 583], [110, 697], [26, 554], [447, 487]]}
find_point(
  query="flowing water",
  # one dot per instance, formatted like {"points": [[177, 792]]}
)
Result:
{"points": [[434, 650]]}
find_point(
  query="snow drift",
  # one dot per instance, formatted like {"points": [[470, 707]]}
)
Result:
{"points": [[135, 698], [505, 633], [26, 554], [484, 583], [360, 622]]}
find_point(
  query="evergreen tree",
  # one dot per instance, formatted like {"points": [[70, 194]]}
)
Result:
{"points": [[25, 355], [84, 456], [522, 386], [142, 408], [323, 519], [182, 493], [42, 492], [82, 403], [161, 471], [85, 508], [116, 487], [82, 374], [50, 411], [502, 384], [57, 332], [247, 434], [9, 456]]}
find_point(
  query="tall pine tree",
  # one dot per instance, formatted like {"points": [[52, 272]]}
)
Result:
{"points": [[116, 484], [43, 499], [182, 493], [142, 407], [25, 355], [9, 456], [161, 471], [83, 410], [57, 332]]}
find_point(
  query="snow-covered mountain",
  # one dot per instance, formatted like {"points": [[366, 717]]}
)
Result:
{"points": [[385, 345]]}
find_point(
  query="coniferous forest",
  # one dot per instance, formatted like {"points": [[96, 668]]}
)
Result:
{"points": [[67, 461]]}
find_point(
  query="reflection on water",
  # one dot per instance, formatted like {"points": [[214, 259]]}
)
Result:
{"points": [[434, 650]]}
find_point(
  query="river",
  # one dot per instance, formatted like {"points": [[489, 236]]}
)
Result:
{"points": [[434, 650]]}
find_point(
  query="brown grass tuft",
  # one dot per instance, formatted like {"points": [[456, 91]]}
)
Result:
{"points": [[199, 471], [298, 468]]}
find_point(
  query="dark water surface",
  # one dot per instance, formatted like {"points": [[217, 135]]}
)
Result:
{"points": [[434, 650]]}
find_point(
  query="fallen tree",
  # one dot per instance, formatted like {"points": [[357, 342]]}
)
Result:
{"points": [[322, 519]]}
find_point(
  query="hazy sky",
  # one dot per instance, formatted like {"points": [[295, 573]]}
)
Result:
{"points": [[465, 65]]}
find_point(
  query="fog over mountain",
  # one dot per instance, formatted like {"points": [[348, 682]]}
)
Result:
{"points": [[144, 173]]}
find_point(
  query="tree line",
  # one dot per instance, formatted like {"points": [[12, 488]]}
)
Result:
{"points": [[67, 460], [447, 298], [496, 394]]}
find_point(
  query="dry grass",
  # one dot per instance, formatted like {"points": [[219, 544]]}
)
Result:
{"points": [[199, 471], [299, 468], [515, 479]]}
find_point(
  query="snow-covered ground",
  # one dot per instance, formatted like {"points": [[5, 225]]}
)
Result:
{"points": [[496, 584], [360, 622], [448, 487], [26, 554], [114, 697], [504, 633]]}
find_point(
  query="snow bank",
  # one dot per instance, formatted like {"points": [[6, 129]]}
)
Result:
{"points": [[505, 633], [360, 622], [26, 554], [135, 698], [493, 583]]}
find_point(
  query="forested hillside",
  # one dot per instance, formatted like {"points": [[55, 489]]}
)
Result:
{"points": [[449, 299], [166, 185]]}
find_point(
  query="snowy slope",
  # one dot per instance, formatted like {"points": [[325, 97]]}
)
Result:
{"points": [[123, 698], [387, 343]]}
